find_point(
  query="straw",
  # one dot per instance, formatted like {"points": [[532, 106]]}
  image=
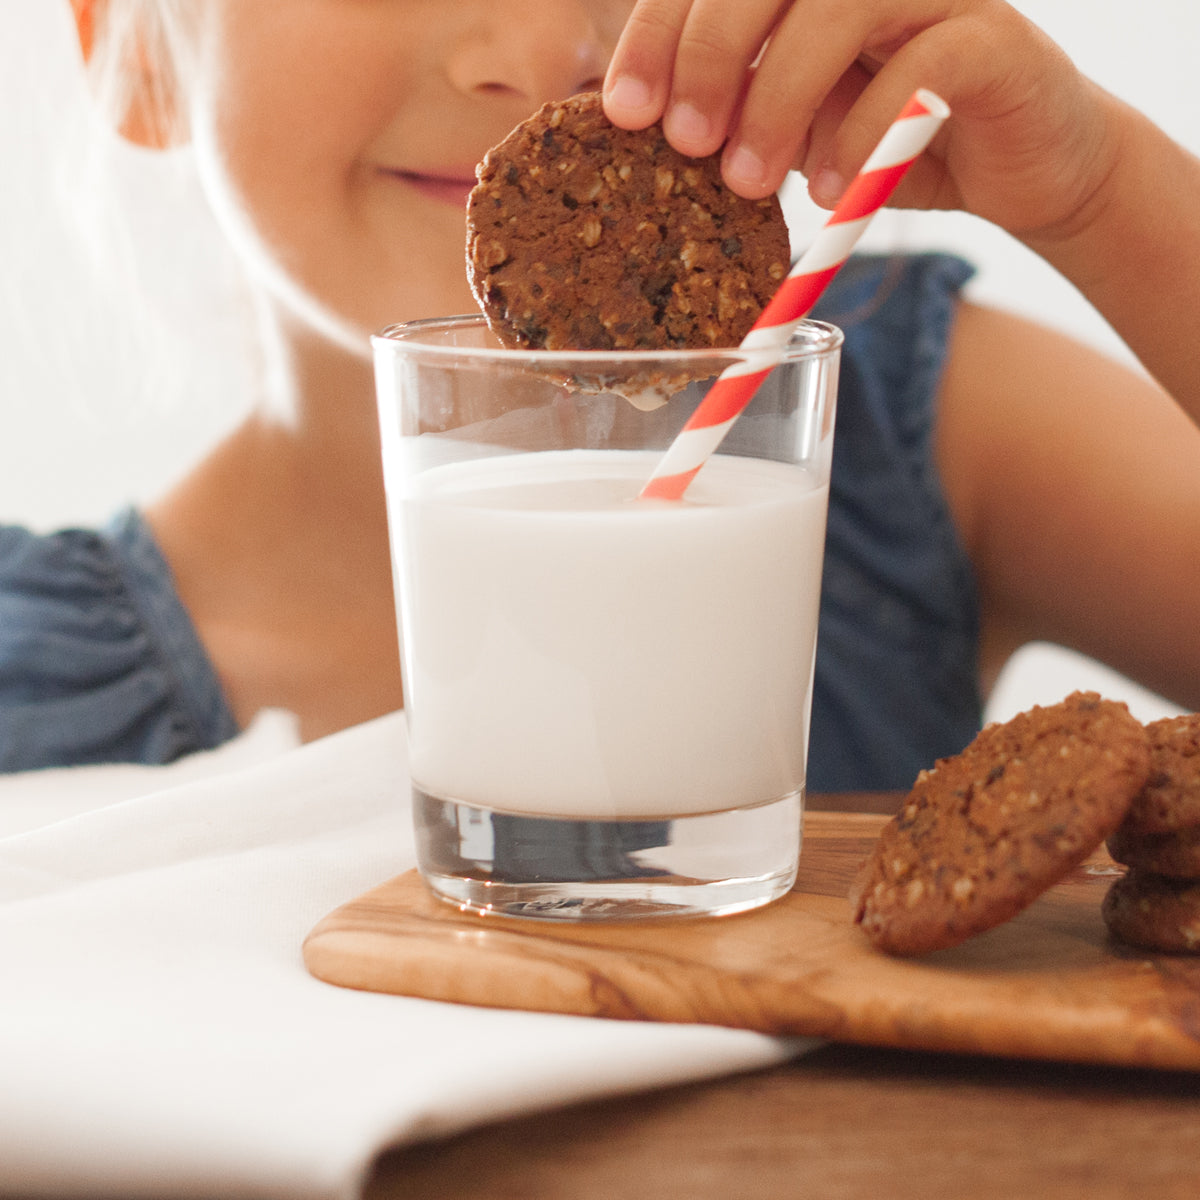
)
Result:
{"points": [[900, 146]]}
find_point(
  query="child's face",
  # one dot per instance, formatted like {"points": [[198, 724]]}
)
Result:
{"points": [[338, 138]]}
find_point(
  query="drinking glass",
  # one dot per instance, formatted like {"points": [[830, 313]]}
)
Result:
{"points": [[607, 697]]}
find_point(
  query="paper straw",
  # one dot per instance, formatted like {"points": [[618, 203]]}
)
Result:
{"points": [[904, 141]]}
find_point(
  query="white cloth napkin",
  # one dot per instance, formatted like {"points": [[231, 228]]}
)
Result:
{"points": [[159, 1034]]}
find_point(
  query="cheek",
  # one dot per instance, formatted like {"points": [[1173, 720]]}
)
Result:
{"points": [[610, 17], [337, 247], [279, 107], [284, 154], [412, 261]]}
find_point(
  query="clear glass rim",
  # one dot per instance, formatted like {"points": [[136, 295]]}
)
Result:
{"points": [[810, 339]]}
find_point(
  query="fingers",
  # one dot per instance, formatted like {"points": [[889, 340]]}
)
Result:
{"points": [[817, 160], [712, 70], [814, 84], [774, 81], [686, 62], [929, 59], [638, 82], [806, 81]]}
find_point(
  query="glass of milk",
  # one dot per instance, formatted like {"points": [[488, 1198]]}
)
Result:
{"points": [[607, 697]]}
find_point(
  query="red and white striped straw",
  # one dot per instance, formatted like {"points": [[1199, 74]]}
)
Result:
{"points": [[904, 141]]}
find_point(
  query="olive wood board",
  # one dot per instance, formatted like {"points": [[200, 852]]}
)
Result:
{"points": [[1048, 984]]}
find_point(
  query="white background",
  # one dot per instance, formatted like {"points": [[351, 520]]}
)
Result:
{"points": [[103, 402]]}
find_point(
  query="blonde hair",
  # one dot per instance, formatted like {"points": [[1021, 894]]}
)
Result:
{"points": [[167, 269], [138, 60]]}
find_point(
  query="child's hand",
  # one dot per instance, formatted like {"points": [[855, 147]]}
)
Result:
{"points": [[1029, 142]]}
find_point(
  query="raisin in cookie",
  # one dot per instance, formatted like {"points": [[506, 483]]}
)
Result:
{"points": [[985, 832], [581, 235]]}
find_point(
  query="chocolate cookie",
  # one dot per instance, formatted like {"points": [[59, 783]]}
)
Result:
{"points": [[581, 235], [1155, 913], [1176, 853], [985, 832], [1171, 798]]}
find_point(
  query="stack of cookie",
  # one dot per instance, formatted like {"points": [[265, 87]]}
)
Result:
{"points": [[1156, 905], [984, 833]]}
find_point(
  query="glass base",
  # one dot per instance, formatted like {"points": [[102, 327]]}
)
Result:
{"points": [[569, 870]]}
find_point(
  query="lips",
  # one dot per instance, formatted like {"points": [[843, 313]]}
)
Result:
{"points": [[447, 188]]}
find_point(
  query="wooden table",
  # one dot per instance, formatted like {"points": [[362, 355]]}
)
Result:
{"points": [[842, 1121]]}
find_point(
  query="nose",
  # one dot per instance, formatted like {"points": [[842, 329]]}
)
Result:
{"points": [[530, 50]]}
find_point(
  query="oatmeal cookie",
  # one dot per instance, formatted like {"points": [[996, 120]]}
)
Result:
{"points": [[1175, 853], [1154, 912], [1171, 798], [581, 235], [984, 833]]}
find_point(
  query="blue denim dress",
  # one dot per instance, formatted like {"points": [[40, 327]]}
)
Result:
{"points": [[897, 672], [99, 661]]}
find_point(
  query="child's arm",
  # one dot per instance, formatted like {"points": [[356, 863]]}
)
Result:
{"points": [[1134, 252], [1075, 485], [1074, 482]]}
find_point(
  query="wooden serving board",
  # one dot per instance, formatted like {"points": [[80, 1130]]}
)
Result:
{"points": [[1048, 984]]}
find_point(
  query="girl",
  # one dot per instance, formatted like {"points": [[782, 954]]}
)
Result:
{"points": [[994, 482]]}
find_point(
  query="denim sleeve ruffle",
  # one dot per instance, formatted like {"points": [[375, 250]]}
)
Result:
{"points": [[897, 660], [99, 661]]}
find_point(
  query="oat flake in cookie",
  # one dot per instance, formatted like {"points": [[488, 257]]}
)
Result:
{"points": [[984, 833], [581, 235]]}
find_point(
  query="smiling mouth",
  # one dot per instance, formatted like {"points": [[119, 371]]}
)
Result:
{"points": [[448, 189]]}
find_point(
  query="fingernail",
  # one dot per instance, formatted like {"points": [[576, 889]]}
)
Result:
{"points": [[686, 125], [826, 187], [745, 167], [629, 93]]}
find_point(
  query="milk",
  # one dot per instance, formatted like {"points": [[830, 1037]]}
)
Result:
{"points": [[571, 650]]}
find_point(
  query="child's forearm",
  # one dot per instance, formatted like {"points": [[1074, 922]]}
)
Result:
{"points": [[1135, 253]]}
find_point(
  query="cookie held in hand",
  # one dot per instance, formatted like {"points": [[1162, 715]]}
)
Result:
{"points": [[984, 833], [584, 236]]}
